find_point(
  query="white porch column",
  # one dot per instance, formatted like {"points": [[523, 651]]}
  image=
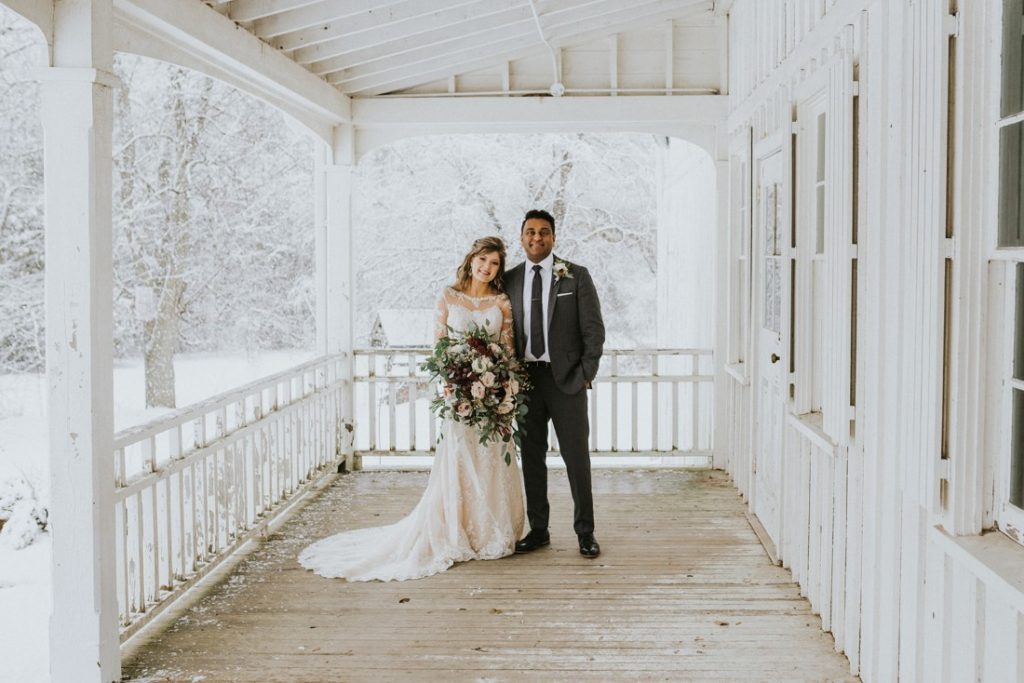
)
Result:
{"points": [[77, 118], [723, 447], [335, 274]]}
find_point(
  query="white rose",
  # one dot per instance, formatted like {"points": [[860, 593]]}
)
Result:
{"points": [[495, 349], [505, 407], [478, 365], [464, 409], [478, 390], [487, 379]]}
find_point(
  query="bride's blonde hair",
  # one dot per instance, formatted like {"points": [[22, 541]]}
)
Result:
{"points": [[484, 245]]}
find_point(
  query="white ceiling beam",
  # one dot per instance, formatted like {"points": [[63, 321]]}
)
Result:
{"points": [[696, 118], [409, 11], [580, 32], [39, 12], [477, 112], [215, 39], [406, 42], [525, 30], [251, 10]]}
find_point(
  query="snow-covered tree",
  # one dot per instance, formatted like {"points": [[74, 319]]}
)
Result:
{"points": [[21, 198], [421, 202], [213, 213]]}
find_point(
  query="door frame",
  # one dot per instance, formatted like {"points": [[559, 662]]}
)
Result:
{"points": [[779, 142]]}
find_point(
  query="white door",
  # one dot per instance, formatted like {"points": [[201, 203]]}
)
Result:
{"points": [[770, 211]]}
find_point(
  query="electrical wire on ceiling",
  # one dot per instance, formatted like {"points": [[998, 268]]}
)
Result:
{"points": [[557, 89]]}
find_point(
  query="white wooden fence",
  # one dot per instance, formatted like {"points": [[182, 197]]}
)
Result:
{"points": [[644, 402], [195, 485]]}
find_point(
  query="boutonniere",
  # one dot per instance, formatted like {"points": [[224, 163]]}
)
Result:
{"points": [[561, 270]]}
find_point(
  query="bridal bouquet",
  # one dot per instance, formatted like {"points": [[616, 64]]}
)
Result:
{"points": [[486, 385]]}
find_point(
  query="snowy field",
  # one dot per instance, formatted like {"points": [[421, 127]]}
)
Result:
{"points": [[25, 554]]}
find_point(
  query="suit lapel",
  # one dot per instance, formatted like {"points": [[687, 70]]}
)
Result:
{"points": [[552, 295]]}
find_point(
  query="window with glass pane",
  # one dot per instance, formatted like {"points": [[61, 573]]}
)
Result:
{"points": [[1012, 98], [1011, 177], [1011, 219], [1017, 388]]}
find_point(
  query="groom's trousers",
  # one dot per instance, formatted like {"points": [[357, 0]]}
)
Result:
{"points": [[568, 413]]}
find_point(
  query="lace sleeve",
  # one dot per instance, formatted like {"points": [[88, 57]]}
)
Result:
{"points": [[506, 338], [441, 318]]}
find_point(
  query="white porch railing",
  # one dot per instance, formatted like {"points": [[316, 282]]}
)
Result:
{"points": [[195, 485], [644, 402]]}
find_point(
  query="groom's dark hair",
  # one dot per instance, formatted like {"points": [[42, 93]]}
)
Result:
{"points": [[538, 213]]}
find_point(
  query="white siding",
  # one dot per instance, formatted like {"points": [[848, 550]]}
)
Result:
{"points": [[869, 518]]}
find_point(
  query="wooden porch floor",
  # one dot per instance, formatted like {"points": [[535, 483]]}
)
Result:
{"points": [[682, 591]]}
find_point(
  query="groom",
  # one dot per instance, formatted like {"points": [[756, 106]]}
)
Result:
{"points": [[559, 335]]}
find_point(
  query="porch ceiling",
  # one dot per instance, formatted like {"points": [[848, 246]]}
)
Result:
{"points": [[374, 47]]}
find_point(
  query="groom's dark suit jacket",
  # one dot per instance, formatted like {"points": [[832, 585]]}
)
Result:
{"points": [[575, 327]]}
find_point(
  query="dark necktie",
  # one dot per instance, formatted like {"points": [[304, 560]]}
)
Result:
{"points": [[537, 315]]}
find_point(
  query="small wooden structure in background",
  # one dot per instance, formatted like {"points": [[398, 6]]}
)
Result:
{"points": [[402, 328]]}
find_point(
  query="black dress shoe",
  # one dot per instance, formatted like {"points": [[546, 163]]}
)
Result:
{"points": [[589, 546], [535, 539]]}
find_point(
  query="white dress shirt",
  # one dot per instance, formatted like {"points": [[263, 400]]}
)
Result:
{"points": [[545, 278]]}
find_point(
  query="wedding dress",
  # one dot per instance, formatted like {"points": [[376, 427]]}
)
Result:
{"points": [[474, 505]]}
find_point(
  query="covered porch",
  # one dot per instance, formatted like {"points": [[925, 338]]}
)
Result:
{"points": [[861, 391], [143, 518]]}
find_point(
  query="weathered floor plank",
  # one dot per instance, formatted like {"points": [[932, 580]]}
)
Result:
{"points": [[681, 591]]}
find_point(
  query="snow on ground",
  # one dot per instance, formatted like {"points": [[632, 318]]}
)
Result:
{"points": [[24, 483], [25, 592]]}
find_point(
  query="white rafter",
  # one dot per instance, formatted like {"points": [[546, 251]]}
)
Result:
{"points": [[368, 75], [316, 15], [520, 33], [393, 35], [560, 35], [251, 10], [352, 24], [409, 36]]}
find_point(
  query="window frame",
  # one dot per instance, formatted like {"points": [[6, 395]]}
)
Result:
{"points": [[1008, 261], [809, 255]]}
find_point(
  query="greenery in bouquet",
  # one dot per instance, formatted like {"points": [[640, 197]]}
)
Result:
{"points": [[485, 385]]}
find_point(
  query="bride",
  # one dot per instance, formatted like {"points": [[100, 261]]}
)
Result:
{"points": [[473, 506]]}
